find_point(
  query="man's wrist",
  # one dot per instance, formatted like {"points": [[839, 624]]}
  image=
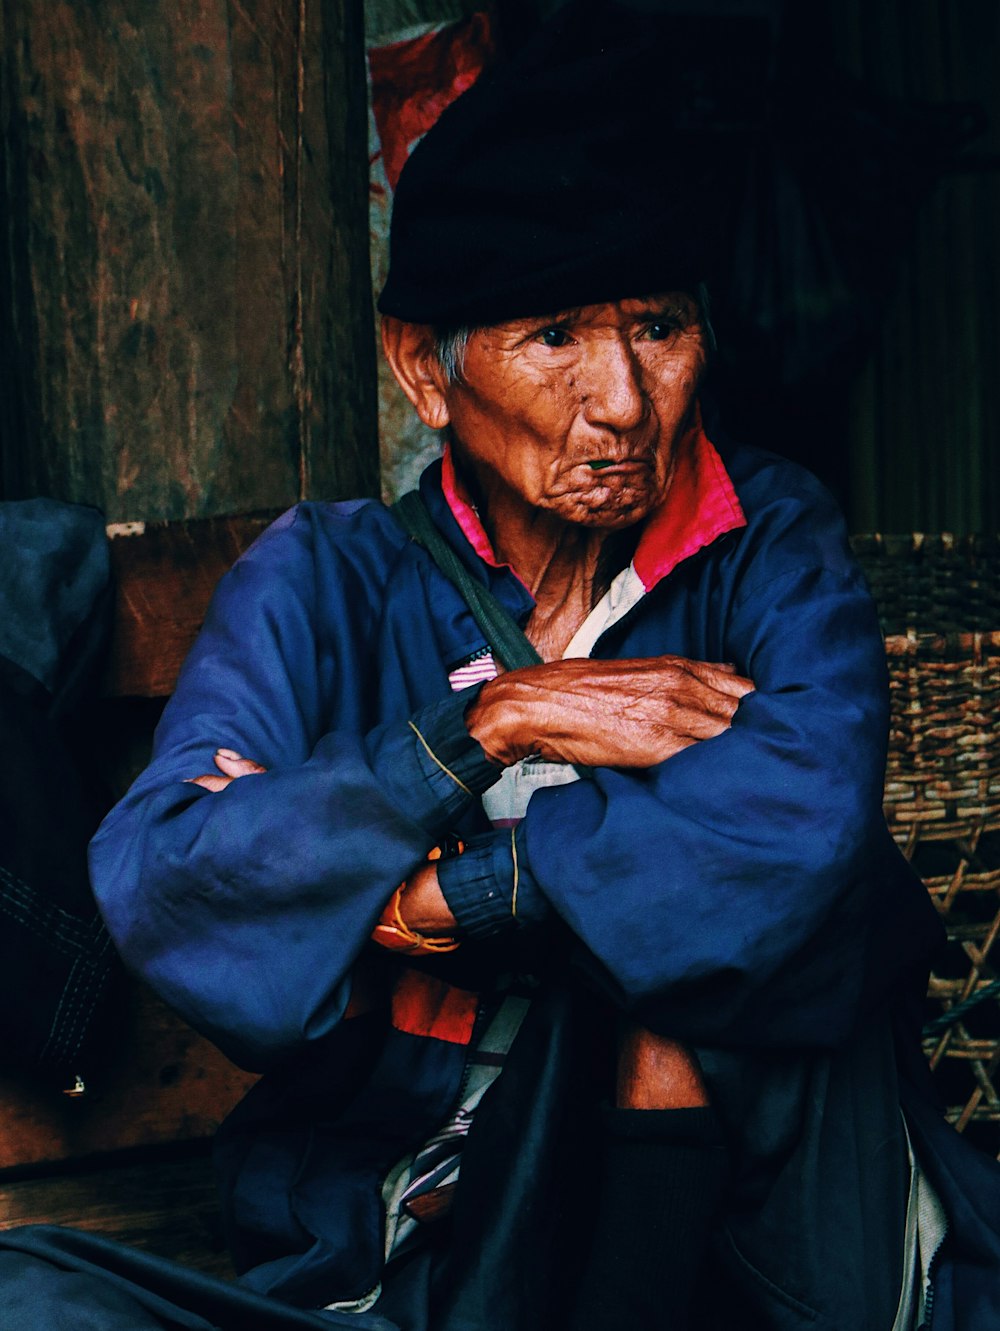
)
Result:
{"points": [[490, 889], [431, 764], [422, 904]]}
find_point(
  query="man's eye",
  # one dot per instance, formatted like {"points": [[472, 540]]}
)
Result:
{"points": [[554, 337], [660, 330]]}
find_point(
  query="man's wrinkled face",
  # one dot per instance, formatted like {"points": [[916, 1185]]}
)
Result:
{"points": [[579, 415]]}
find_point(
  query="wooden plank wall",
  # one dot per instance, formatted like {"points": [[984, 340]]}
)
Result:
{"points": [[185, 310]]}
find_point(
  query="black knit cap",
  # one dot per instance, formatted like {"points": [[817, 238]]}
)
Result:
{"points": [[596, 163]]}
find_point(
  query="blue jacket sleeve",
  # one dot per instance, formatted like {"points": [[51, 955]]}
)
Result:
{"points": [[246, 908], [700, 886]]}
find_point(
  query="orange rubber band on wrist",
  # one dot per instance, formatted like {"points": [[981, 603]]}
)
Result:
{"points": [[394, 933]]}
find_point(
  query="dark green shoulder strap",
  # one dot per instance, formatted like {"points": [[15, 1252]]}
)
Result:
{"points": [[509, 644]]}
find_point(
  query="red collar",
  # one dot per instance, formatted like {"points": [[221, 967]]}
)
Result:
{"points": [[465, 512], [701, 505]]}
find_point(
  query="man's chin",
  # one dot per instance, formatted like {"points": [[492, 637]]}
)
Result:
{"points": [[605, 507]]}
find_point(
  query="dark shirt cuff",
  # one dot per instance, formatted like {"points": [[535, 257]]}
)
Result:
{"points": [[431, 763], [479, 886]]}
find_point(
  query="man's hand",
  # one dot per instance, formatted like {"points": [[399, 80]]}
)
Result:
{"points": [[632, 713], [231, 765]]}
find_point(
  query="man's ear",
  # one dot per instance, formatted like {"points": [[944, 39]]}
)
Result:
{"points": [[410, 351]]}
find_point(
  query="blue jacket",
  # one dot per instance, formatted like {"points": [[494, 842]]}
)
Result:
{"points": [[744, 896]]}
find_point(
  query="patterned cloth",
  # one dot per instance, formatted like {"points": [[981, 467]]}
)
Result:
{"points": [[475, 669], [420, 1188]]}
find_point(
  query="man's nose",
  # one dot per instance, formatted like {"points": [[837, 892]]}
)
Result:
{"points": [[614, 396]]}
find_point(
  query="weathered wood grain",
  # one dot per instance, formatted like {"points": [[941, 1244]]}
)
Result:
{"points": [[165, 574], [187, 307], [164, 1206]]}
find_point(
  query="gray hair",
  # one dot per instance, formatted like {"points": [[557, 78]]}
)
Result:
{"points": [[450, 345]]}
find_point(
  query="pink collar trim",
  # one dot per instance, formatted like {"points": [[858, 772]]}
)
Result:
{"points": [[701, 505], [465, 513]]}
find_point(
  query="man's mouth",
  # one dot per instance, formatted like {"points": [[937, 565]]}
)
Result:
{"points": [[616, 464]]}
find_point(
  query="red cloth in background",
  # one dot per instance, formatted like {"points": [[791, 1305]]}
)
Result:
{"points": [[413, 81]]}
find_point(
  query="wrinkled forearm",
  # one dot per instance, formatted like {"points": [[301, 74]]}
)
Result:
{"points": [[619, 713]]}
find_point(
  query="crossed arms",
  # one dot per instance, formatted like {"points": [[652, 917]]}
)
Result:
{"points": [[630, 713], [717, 870]]}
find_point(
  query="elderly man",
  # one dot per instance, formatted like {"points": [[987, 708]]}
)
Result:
{"points": [[570, 981]]}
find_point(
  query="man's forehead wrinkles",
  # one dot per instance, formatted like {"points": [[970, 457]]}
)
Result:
{"points": [[631, 308]]}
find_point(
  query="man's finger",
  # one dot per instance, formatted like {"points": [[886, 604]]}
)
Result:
{"points": [[702, 723], [210, 782], [234, 764], [722, 677]]}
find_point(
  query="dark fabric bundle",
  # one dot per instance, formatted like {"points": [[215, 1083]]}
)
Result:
{"points": [[57, 965], [595, 163], [55, 594]]}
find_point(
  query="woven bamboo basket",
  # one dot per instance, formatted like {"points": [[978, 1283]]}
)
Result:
{"points": [[939, 602]]}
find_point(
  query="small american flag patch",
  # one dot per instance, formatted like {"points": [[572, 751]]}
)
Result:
{"points": [[473, 670]]}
